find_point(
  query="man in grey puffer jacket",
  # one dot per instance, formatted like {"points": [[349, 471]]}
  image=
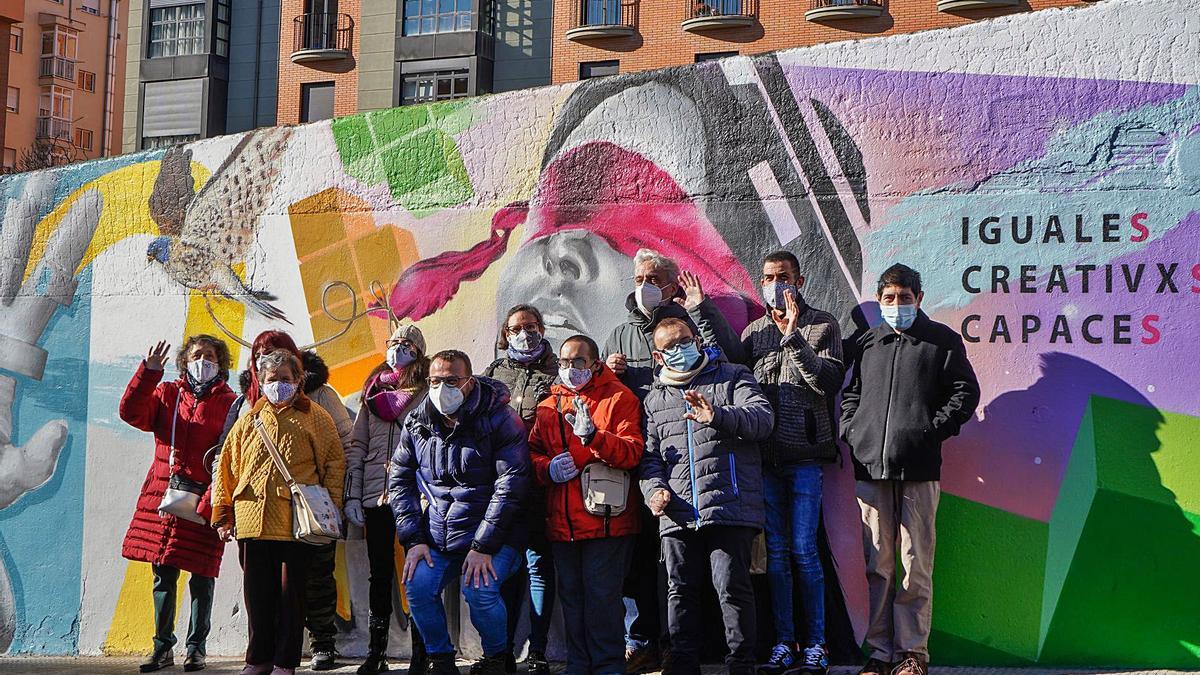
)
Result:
{"points": [[701, 475]]}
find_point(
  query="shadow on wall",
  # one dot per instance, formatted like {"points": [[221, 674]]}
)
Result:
{"points": [[1115, 555]]}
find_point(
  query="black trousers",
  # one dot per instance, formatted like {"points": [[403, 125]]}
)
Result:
{"points": [[320, 604], [274, 574], [689, 556], [381, 539]]}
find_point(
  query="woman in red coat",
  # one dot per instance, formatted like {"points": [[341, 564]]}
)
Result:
{"points": [[187, 416]]}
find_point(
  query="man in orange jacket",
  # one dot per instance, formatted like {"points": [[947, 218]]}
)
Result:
{"points": [[585, 444]]}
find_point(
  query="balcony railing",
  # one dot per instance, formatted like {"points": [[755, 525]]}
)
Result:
{"points": [[603, 18], [710, 14], [53, 127], [321, 37], [57, 67], [832, 10]]}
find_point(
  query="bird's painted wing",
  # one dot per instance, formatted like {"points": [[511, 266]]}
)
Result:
{"points": [[225, 213], [174, 190]]}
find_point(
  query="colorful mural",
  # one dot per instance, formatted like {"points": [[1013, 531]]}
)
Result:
{"points": [[1054, 218]]}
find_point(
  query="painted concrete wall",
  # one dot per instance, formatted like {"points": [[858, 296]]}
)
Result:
{"points": [[1040, 170]]}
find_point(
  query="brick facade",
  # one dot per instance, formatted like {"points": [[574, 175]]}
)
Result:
{"points": [[659, 40], [343, 73]]}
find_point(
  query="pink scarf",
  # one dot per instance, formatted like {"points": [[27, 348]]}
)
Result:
{"points": [[386, 403]]}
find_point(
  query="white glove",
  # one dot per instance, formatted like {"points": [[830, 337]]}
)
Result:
{"points": [[562, 468], [354, 512], [581, 422]]}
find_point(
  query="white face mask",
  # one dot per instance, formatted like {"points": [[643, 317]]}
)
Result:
{"points": [[648, 297], [202, 370], [575, 378], [279, 393], [446, 399], [399, 356], [525, 341]]}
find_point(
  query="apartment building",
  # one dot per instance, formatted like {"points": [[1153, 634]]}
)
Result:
{"points": [[605, 37], [199, 68], [63, 76]]}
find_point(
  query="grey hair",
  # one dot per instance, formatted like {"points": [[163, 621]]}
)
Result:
{"points": [[660, 262], [279, 357]]}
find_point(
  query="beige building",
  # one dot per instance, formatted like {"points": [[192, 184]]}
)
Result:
{"points": [[65, 80]]}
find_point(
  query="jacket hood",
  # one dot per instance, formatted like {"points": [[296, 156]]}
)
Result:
{"points": [[600, 382], [244, 378], [487, 397], [316, 372], [671, 309]]}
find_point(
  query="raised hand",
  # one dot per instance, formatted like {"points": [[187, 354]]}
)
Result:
{"points": [[581, 422], [793, 312], [157, 357], [700, 409], [692, 290]]}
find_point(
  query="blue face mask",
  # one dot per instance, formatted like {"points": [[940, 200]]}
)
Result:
{"points": [[900, 317], [682, 357]]}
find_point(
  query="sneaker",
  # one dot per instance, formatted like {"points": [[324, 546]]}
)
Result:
{"points": [[536, 664], [323, 659], [816, 661], [641, 660], [783, 661], [876, 667], [161, 658], [912, 663]]}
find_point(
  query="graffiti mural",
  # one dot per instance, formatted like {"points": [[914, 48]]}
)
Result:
{"points": [[1054, 217]]}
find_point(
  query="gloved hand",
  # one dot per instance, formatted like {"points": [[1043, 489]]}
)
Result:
{"points": [[354, 512], [562, 468], [581, 422]]}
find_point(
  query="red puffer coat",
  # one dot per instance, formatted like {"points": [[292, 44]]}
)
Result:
{"points": [[150, 406]]}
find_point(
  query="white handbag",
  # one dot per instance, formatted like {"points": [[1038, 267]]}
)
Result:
{"points": [[182, 496], [316, 519]]}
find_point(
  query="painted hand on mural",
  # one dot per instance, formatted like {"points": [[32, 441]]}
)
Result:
{"points": [[204, 234]]}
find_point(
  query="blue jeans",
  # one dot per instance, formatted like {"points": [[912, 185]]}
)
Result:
{"points": [[793, 500], [488, 614], [539, 563]]}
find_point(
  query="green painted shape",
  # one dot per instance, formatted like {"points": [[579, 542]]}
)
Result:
{"points": [[949, 649], [1075, 495], [1179, 440], [988, 565], [410, 149], [1127, 596]]}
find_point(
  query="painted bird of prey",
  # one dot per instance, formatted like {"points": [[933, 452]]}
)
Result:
{"points": [[202, 235]]}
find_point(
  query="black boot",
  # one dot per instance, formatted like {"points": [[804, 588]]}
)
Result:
{"points": [[441, 664], [377, 649], [162, 657], [418, 663]]}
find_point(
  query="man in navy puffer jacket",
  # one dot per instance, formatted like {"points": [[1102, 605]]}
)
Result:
{"points": [[465, 451]]}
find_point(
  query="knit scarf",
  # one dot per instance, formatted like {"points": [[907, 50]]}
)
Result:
{"points": [[199, 389], [385, 402]]}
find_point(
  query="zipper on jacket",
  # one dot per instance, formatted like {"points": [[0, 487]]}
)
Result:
{"points": [[692, 466], [562, 431], [887, 417], [733, 472]]}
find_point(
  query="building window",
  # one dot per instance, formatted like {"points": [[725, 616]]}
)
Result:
{"points": [[155, 142], [177, 31], [440, 85], [222, 28], [16, 39], [14, 99], [422, 17], [713, 56], [60, 42], [91, 6], [590, 69], [10, 158], [87, 80], [316, 101], [56, 102], [83, 138]]}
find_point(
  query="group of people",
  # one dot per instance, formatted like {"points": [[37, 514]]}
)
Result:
{"points": [[643, 471]]}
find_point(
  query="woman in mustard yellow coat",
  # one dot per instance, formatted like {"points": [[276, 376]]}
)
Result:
{"points": [[252, 502]]}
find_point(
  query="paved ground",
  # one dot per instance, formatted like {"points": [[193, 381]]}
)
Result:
{"points": [[228, 666]]}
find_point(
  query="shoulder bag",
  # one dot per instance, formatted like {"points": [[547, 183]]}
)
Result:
{"points": [[316, 519], [605, 489]]}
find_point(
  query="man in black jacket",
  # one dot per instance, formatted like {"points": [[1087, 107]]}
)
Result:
{"points": [[912, 388]]}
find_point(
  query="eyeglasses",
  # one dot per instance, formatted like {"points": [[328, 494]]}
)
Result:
{"points": [[652, 279], [527, 327], [678, 343], [578, 363], [452, 380]]}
